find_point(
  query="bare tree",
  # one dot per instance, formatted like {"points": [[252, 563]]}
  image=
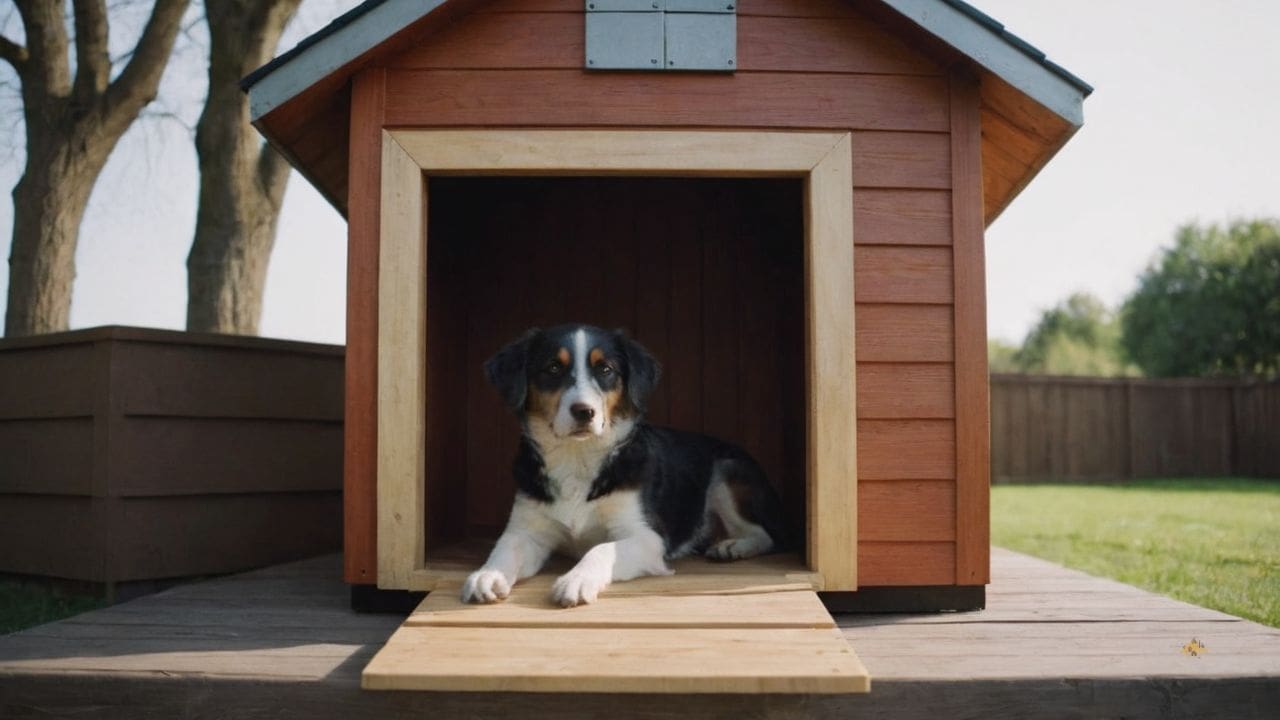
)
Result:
{"points": [[242, 180], [72, 125]]}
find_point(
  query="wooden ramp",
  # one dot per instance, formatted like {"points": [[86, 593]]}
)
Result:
{"points": [[686, 638]]}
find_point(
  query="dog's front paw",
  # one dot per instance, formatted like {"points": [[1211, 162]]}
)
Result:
{"points": [[738, 548], [485, 586], [578, 587]]}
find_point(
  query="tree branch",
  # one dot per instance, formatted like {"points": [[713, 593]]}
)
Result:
{"points": [[14, 54], [93, 65], [136, 86], [48, 74]]}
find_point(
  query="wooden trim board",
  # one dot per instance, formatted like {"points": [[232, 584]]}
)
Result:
{"points": [[972, 399], [529, 605], [783, 642], [831, 382], [360, 416], [822, 159], [693, 575], [402, 330]]}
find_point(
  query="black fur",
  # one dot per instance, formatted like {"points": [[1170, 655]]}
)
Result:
{"points": [[528, 471], [672, 470], [643, 372], [508, 370]]}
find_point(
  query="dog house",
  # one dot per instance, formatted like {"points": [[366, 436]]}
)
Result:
{"points": [[783, 199]]}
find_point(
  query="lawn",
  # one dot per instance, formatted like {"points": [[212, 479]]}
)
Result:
{"points": [[24, 604], [1210, 542]]}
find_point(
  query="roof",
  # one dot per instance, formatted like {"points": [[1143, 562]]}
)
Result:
{"points": [[986, 42], [958, 24], [1029, 106], [1023, 46]]}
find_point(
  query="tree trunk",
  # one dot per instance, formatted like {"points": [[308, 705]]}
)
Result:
{"points": [[242, 181], [72, 125], [48, 204]]}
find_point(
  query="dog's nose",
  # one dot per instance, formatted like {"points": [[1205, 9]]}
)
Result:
{"points": [[582, 412]]}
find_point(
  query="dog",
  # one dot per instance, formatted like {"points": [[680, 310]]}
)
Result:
{"points": [[595, 482]]}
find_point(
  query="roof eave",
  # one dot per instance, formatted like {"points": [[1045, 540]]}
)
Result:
{"points": [[289, 75], [999, 52]]}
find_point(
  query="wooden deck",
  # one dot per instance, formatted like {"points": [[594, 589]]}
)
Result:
{"points": [[281, 643]]}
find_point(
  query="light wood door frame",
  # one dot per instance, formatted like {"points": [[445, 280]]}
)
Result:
{"points": [[822, 159]]}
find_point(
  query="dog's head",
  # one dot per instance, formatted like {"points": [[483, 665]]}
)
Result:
{"points": [[577, 380]]}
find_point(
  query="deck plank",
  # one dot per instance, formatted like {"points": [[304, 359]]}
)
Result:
{"points": [[280, 642]]}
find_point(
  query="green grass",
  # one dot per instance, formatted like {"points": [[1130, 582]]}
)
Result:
{"points": [[24, 604], [1209, 542]]}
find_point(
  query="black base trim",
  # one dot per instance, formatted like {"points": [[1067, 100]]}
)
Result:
{"points": [[929, 598], [372, 599]]}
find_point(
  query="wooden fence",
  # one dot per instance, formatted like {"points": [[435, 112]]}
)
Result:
{"points": [[1094, 429]]}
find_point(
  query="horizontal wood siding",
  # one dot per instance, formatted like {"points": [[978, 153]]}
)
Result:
{"points": [[47, 382], [527, 40], [812, 64], [906, 510], [904, 333], [898, 391], [51, 456], [906, 563], [902, 217], [767, 8], [194, 456], [893, 274], [498, 98], [159, 537], [202, 382], [131, 454], [906, 450], [55, 535]]}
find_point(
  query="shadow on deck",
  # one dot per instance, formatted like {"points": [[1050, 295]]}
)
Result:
{"points": [[281, 642]]}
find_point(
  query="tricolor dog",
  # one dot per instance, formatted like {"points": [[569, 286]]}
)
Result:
{"points": [[597, 483]]}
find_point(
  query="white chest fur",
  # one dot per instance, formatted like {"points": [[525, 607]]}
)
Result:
{"points": [[571, 467]]}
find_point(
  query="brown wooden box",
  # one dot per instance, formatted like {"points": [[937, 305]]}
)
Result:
{"points": [[130, 454], [812, 221]]}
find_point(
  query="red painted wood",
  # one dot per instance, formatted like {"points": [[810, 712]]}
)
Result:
{"points": [[527, 40], [973, 418], [491, 98], [360, 458]]}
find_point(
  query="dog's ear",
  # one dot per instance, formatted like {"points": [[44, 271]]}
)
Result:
{"points": [[643, 371], [508, 369]]}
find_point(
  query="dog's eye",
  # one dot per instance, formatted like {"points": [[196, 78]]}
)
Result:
{"points": [[604, 370], [553, 369]]}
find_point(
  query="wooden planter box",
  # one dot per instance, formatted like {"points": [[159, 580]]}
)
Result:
{"points": [[129, 454]]}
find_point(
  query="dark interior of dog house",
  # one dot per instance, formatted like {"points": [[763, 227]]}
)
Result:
{"points": [[706, 273]]}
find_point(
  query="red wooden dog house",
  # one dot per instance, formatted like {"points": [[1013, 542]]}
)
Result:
{"points": [[789, 213]]}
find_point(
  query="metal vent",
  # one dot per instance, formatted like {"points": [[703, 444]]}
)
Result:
{"points": [[670, 35]]}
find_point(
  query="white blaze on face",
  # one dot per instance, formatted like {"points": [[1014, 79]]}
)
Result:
{"points": [[584, 391]]}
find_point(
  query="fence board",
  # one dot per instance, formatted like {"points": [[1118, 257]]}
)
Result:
{"points": [[1257, 422], [1098, 429]]}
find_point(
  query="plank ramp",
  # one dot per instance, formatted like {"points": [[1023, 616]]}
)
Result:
{"points": [[281, 642], [651, 642]]}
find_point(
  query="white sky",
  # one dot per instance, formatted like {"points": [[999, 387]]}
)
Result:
{"points": [[1182, 126]]}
